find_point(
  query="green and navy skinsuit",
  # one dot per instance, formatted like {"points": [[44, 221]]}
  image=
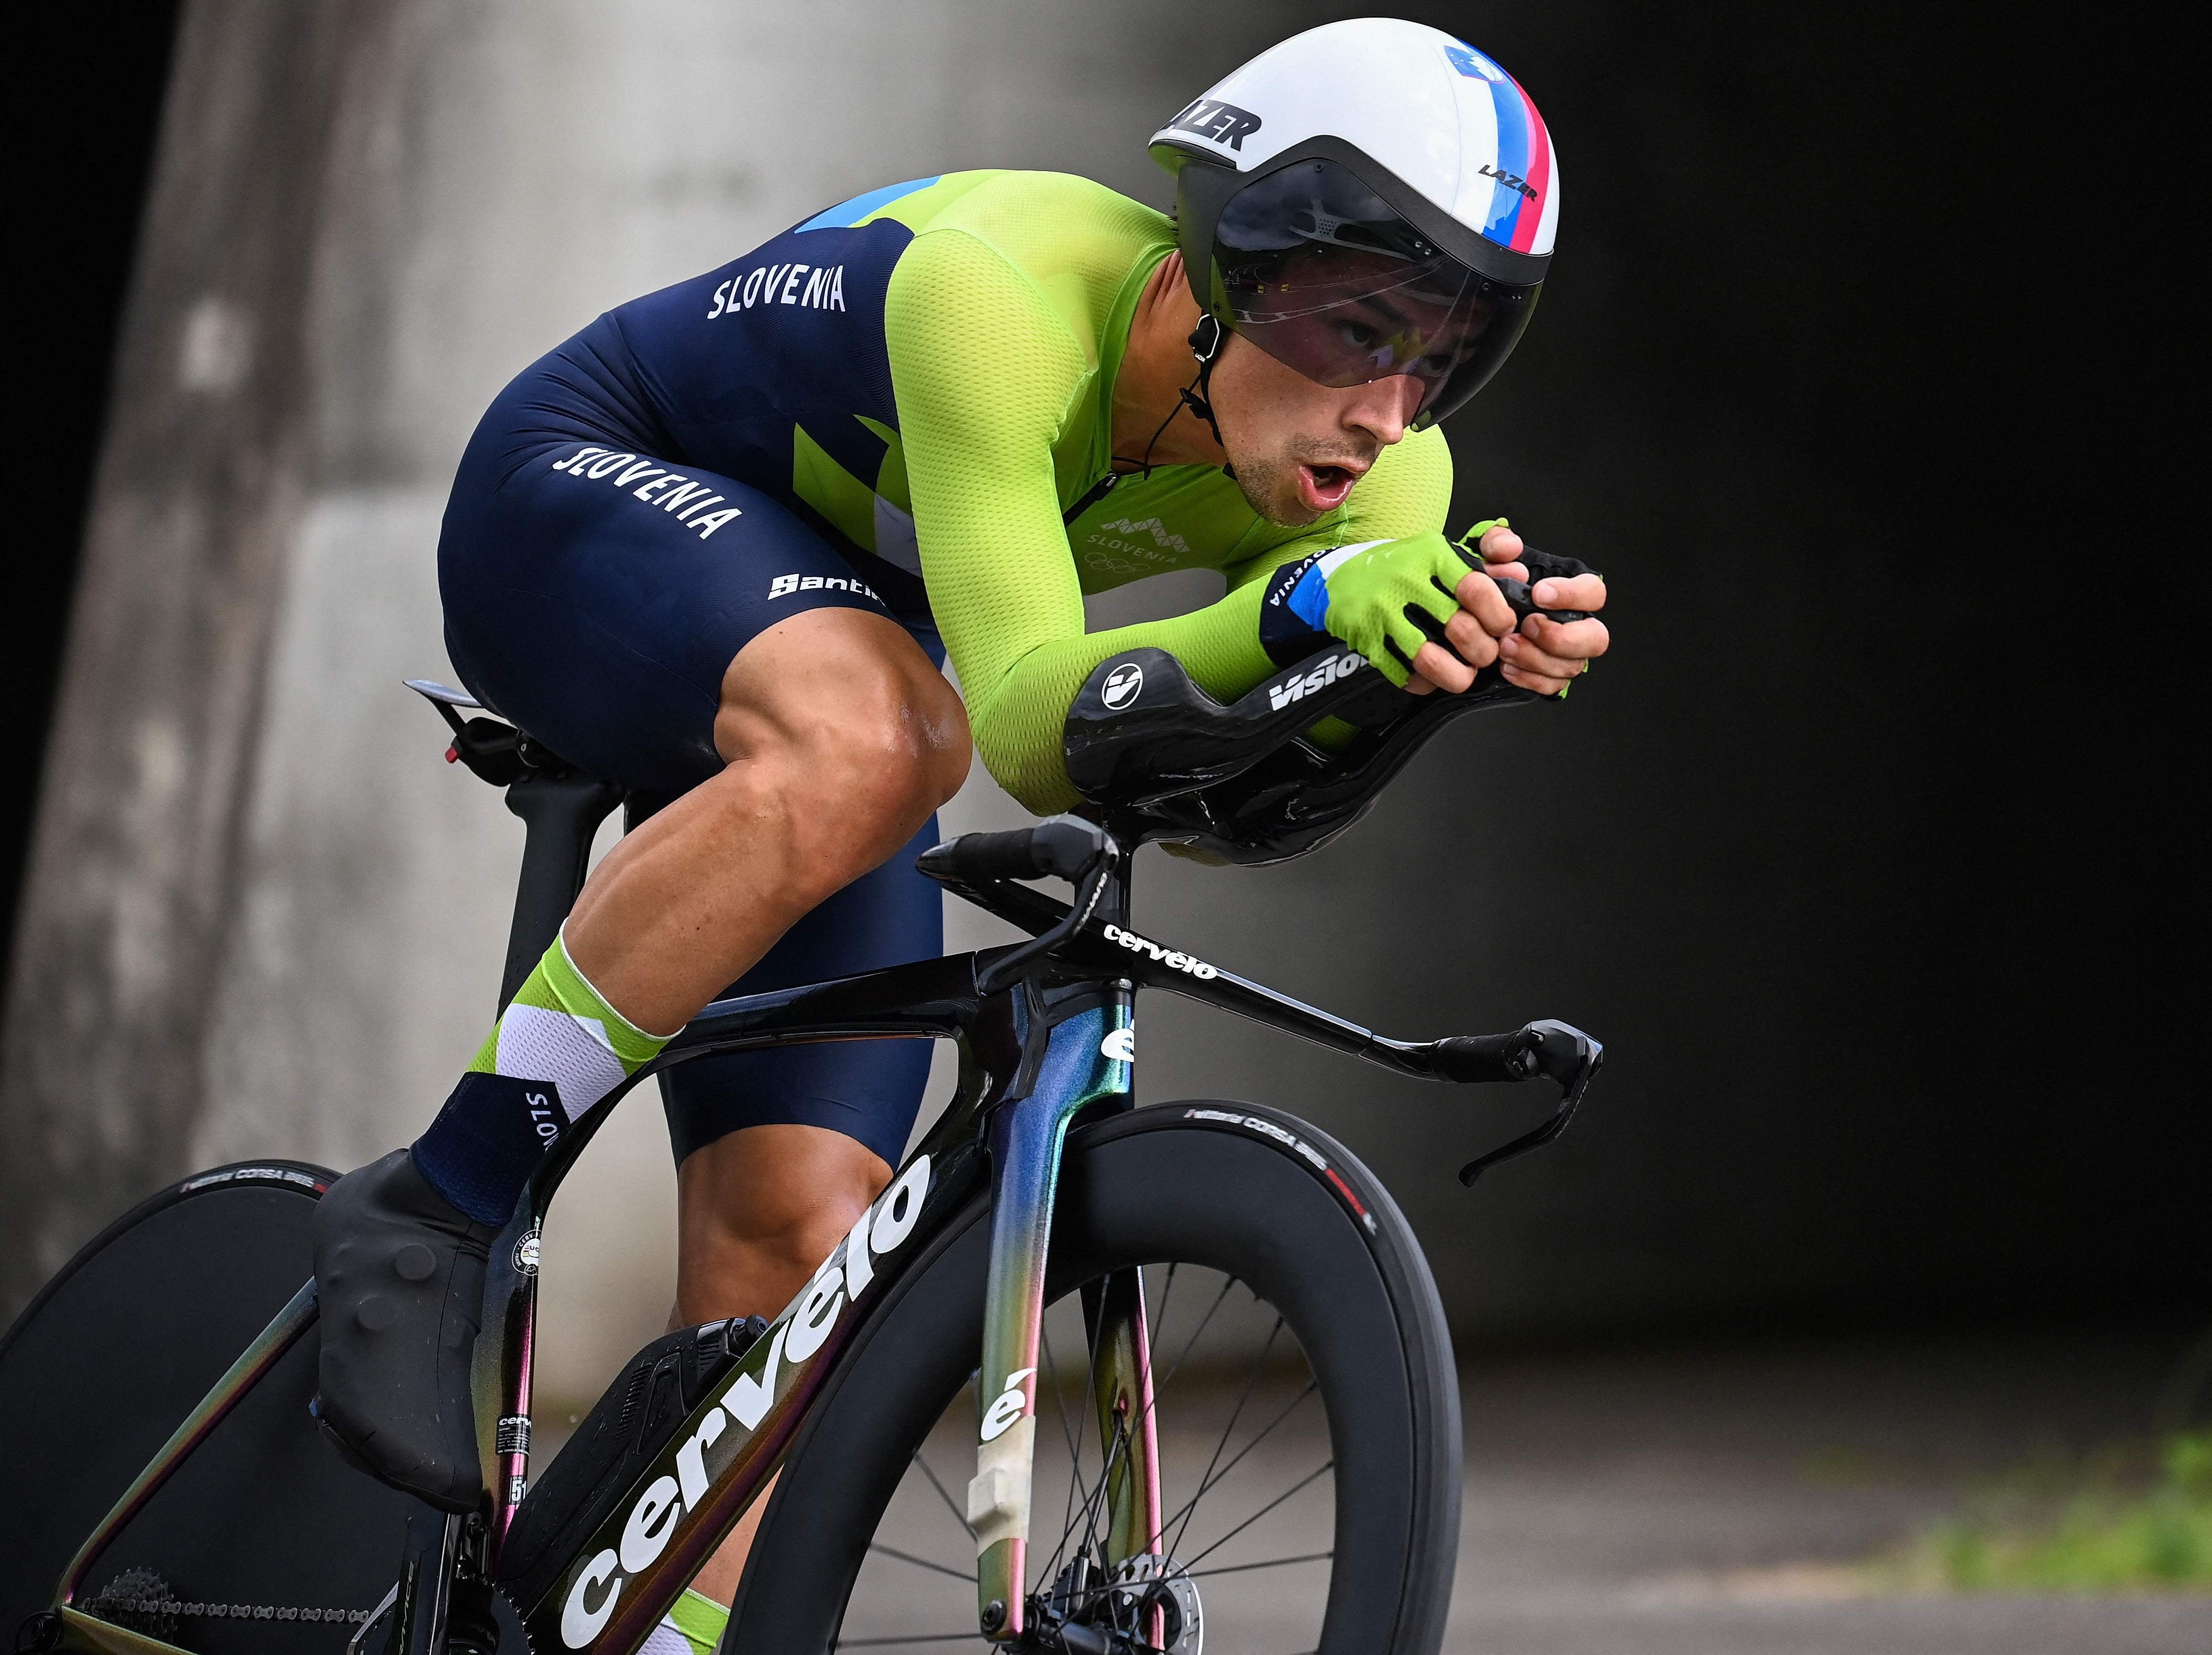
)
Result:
{"points": [[904, 405]]}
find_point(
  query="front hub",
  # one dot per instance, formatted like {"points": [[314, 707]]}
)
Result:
{"points": [[1148, 1606]]}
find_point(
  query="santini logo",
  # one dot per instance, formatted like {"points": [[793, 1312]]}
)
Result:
{"points": [[784, 585], [1173, 959], [1211, 119], [1297, 689]]}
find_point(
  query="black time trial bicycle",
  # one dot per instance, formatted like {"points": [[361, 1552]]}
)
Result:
{"points": [[1088, 1377]]}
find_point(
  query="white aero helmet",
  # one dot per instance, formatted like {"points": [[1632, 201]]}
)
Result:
{"points": [[1369, 198]]}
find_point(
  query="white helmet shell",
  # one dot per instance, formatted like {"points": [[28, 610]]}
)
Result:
{"points": [[1440, 115]]}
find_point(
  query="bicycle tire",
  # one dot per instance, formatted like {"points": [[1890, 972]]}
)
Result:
{"points": [[115, 1351], [1228, 1186]]}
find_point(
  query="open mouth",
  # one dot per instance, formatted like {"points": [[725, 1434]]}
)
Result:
{"points": [[1324, 487]]}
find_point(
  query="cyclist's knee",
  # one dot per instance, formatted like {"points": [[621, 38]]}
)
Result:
{"points": [[841, 719], [895, 741]]}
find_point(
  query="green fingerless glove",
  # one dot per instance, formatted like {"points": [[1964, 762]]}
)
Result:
{"points": [[1384, 598]]}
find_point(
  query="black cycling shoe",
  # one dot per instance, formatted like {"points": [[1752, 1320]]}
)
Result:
{"points": [[399, 1274]]}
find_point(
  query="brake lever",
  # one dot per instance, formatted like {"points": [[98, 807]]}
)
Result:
{"points": [[1560, 1053]]}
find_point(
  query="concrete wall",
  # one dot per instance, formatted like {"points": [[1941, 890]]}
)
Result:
{"points": [[1805, 851], [429, 195]]}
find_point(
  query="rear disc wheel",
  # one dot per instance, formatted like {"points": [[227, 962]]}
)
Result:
{"points": [[119, 1347]]}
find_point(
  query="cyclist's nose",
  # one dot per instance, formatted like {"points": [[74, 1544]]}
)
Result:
{"points": [[1384, 408]]}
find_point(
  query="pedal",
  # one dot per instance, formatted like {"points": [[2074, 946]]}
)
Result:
{"points": [[626, 1429]]}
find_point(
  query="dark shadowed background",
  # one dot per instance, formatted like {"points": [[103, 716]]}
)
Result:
{"points": [[1866, 850]]}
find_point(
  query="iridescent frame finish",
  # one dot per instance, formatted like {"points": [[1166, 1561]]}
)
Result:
{"points": [[1055, 1045], [1033, 1057]]}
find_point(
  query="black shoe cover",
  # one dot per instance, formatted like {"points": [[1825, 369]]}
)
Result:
{"points": [[399, 1274]]}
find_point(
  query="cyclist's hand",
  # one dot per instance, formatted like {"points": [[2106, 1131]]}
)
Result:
{"points": [[1407, 605], [1485, 617], [1545, 655]]}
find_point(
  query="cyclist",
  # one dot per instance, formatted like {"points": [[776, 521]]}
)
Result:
{"points": [[708, 547]]}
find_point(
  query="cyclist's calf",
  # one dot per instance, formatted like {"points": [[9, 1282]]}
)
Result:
{"points": [[760, 1210]]}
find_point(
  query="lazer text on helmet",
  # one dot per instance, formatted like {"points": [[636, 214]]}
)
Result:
{"points": [[1209, 118]]}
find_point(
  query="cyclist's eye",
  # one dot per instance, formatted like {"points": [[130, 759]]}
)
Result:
{"points": [[1358, 334]]}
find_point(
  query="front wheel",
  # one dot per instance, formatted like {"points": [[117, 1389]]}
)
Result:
{"points": [[1308, 1413]]}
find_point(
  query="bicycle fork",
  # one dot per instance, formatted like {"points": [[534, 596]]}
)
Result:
{"points": [[1085, 1056]]}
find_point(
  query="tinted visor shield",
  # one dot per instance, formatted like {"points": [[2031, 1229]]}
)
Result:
{"points": [[1327, 278]]}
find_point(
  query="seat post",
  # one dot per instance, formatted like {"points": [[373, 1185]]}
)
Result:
{"points": [[560, 816]]}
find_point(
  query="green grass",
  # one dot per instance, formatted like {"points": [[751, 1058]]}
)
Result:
{"points": [[2110, 1535]]}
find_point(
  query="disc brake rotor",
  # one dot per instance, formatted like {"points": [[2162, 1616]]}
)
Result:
{"points": [[1147, 1581]]}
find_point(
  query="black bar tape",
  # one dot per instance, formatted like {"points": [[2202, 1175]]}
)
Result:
{"points": [[1486, 1057], [1064, 847]]}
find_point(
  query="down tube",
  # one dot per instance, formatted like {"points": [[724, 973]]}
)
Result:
{"points": [[1087, 1058]]}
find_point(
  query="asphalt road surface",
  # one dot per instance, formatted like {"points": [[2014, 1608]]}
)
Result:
{"points": [[1720, 1503], [1691, 1502]]}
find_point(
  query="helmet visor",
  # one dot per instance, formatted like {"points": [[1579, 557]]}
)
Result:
{"points": [[1327, 277]]}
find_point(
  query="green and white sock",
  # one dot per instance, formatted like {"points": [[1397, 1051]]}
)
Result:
{"points": [[560, 1029], [693, 1626], [559, 1037]]}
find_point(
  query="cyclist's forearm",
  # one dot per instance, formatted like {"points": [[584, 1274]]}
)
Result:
{"points": [[1018, 720]]}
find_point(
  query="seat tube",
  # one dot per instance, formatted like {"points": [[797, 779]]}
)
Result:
{"points": [[500, 1379], [1087, 1056]]}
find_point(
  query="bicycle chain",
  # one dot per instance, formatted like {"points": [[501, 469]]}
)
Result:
{"points": [[183, 1611], [107, 1606]]}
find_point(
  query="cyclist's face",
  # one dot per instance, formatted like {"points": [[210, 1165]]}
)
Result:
{"points": [[1297, 447], [1346, 319]]}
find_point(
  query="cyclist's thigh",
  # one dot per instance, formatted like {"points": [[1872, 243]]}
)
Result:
{"points": [[604, 623], [869, 1090], [595, 602]]}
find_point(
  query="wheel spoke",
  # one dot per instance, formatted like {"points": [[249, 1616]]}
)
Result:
{"points": [[1087, 1505], [1159, 1383], [1272, 1563], [1075, 1455], [1204, 1322], [1294, 1488], [1206, 1479], [1311, 1386], [919, 1562], [1167, 1287], [1227, 1569], [944, 1495], [1092, 1506]]}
